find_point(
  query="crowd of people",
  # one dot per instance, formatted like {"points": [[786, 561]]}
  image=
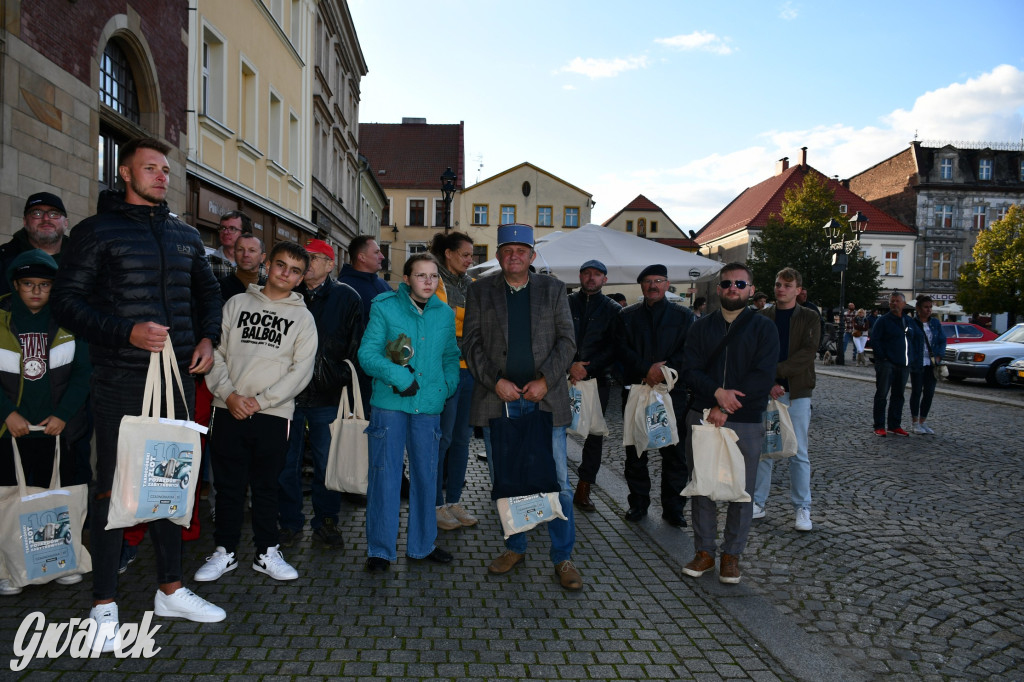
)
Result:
{"points": [[272, 339]]}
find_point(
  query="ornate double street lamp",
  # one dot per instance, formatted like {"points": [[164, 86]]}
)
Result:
{"points": [[448, 179], [841, 248]]}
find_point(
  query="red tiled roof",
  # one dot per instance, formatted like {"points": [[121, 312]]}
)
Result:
{"points": [[752, 208], [641, 203], [413, 155], [682, 243]]}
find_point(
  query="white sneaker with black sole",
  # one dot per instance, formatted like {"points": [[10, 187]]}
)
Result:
{"points": [[273, 564], [217, 564], [185, 603], [758, 511]]}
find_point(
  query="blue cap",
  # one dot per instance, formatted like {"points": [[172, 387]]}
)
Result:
{"points": [[515, 233], [596, 264]]}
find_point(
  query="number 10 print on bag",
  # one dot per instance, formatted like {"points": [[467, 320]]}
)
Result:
{"points": [[47, 542], [166, 471]]}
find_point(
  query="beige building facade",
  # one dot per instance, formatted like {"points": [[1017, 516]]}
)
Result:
{"points": [[522, 194]]}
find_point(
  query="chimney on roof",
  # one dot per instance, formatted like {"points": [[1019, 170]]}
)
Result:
{"points": [[782, 165], [407, 120], [803, 156]]}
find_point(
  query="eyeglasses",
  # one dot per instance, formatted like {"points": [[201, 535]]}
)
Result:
{"points": [[25, 285], [230, 229], [740, 284], [319, 256], [426, 277], [659, 280], [38, 214]]}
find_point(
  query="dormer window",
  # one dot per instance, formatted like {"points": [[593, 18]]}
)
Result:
{"points": [[946, 169], [985, 169]]}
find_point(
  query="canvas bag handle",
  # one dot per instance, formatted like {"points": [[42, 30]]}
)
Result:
{"points": [[357, 396], [151, 397], [19, 471]]}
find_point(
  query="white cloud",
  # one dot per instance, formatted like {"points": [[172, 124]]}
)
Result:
{"points": [[603, 68], [788, 11], [698, 40], [989, 107]]}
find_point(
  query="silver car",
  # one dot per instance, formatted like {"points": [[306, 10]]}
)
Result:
{"points": [[986, 360]]}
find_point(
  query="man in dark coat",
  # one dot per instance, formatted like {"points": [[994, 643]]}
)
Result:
{"points": [[129, 279]]}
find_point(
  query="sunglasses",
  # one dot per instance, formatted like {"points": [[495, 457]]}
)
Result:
{"points": [[738, 283]]}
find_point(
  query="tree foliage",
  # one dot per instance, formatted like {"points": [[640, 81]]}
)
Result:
{"points": [[994, 281], [796, 239]]}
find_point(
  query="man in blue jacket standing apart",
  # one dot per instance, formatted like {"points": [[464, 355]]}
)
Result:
{"points": [[892, 337]]}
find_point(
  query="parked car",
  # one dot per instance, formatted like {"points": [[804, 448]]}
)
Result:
{"points": [[988, 360], [956, 332], [1016, 372], [965, 332]]}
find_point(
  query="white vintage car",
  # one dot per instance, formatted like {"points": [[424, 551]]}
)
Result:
{"points": [[988, 360]]}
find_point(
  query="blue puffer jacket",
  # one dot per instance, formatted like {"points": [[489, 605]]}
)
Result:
{"points": [[938, 342], [435, 352]]}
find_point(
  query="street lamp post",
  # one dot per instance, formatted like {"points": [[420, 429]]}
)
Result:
{"points": [[841, 248], [448, 179]]}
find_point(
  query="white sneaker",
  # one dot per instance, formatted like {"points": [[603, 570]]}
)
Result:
{"points": [[217, 564], [7, 589], [927, 429], [106, 639], [803, 519], [185, 603], [920, 430], [273, 564], [758, 511], [445, 520], [459, 513], [69, 579]]}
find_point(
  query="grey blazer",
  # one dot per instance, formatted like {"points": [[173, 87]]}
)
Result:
{"points": [[485, 343]]}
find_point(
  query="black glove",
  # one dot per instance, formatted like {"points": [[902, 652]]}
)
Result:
{"points": [[409, 392]]}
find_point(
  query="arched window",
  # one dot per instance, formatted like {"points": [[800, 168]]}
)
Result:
{"points": [[118, 92]]}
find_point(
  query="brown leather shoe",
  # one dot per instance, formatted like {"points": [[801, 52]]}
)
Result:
{"points": [[582, 497], [729, 571], [700, 564], [505, 562], [568, 576]]}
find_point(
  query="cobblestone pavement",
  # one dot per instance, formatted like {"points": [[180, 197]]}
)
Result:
{"points": [[914, 568], [912, 571], [635, 619]]}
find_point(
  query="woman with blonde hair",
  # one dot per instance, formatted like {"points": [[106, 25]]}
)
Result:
{"points": [[861, 327]]}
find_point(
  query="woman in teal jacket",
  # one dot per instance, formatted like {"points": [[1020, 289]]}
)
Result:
{"points": [[409, 350]]}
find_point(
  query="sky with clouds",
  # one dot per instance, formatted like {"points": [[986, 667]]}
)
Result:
{"points": [[691, 102]]}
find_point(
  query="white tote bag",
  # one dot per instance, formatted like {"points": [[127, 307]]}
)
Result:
{"points": [[158, 458], [779, 436], [585, 405], [649, 421], [348, 463], [41, 528], [719, 471]]}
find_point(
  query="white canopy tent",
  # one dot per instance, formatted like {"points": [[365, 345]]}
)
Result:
{"points": [[562, 253], [949, 309]]}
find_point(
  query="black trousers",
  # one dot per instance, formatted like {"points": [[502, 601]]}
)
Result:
{"points": [[116, 393], [247, 453], [674, 474], [593, 446]]}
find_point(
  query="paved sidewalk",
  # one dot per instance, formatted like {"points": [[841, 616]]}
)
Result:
{"points": [[635, 619], [913, 571]]}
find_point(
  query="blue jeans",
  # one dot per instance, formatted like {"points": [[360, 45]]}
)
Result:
{"points": [[847, 337], [455, 433], [891, 382], [562, 533], [799, 464], [326, 503], [922, 390], [391, 433]]}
